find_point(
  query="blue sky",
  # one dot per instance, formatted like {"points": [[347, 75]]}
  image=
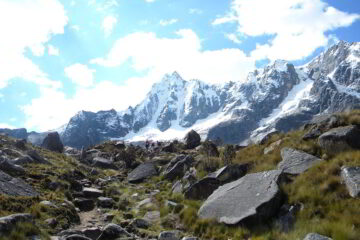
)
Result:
{"points": [[60, 57]]}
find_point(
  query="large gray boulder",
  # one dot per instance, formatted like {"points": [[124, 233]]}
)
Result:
{"points": [[202, 188], [9, 222], [351, 177], [53, 142], [192, 139], [254, 197], [10, 168], [15, 187], [230, 173], [295, 161], [178, 169], [340, 139], [142, 172], [315, 236]]}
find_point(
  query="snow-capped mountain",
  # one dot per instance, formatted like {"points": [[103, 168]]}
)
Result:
{"points": [[278, 97]]}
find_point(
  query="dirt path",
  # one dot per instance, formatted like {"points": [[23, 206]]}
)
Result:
{"points": [[90, 219]]}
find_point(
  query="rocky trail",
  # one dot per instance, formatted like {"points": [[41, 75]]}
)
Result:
{"points": [[186, 190]]}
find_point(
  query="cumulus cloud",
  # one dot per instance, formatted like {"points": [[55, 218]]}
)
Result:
{"points": [[299, 27], [80, 74], [53, 51], [168, 22], [108, 24], [27, 24], [183, 53], [233, 37]]}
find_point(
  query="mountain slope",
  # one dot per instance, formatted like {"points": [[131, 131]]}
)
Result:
{"points": [[278, 97]]}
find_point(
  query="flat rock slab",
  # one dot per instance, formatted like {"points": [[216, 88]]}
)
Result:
{"points": [[92, 192], [315, 236], [254, 197], [351, 177], [295, 161], [340, 139], [142, 172], [15, 187]]}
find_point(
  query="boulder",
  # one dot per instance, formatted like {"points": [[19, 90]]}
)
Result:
{"points": [[177, 187], [202, 188], [140, 223], [10, 168], [169, 235], [105, 202], [103, 163], [20, 143], [76, 237], [92, 232], [112, 231], [312, 134], [92, 192], [230, 173], [351, 178], [192, 140], [15, 187], [340, 139], [23, 160], [295, 161], [84, 204], [142, 172], [315, 236], [152, 216], [36, 157], [169, 148], [53, 143], [9, 222], [178, 169], [253, 198]]}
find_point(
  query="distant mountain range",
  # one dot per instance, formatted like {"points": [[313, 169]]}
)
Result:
{"points": [[279, 97]]}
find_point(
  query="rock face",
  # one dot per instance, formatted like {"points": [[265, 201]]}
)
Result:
{"points": [[340, 139], [315, 236], [178, 169], [53, 143], [192, 140], [15, 187], [351, 177], [143, 171], [295, 161], [254, 197]]}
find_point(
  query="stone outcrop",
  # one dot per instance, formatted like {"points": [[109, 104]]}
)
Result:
{"points": [[295, 161]]}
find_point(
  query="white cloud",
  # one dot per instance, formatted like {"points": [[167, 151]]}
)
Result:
{"points": [[13, 119], [72, 3], [23, 94], [150, 1], [233, 37], [195, 11], [1, 95], [5, 125], [27, 24], [184, 54], [80, 74], [108, 24], [53, 51], [299, 26], [168, 22]]}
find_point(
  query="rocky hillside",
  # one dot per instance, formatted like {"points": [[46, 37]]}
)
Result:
{"points": [[299, 185]]}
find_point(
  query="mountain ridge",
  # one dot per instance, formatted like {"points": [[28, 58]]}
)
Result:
{"points": [[279, 97]]}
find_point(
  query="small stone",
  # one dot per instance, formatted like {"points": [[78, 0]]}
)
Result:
{"points": [[105, 202], [169, 235], [315, 236], [92, 192], [84, 204], [351, 177]]}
